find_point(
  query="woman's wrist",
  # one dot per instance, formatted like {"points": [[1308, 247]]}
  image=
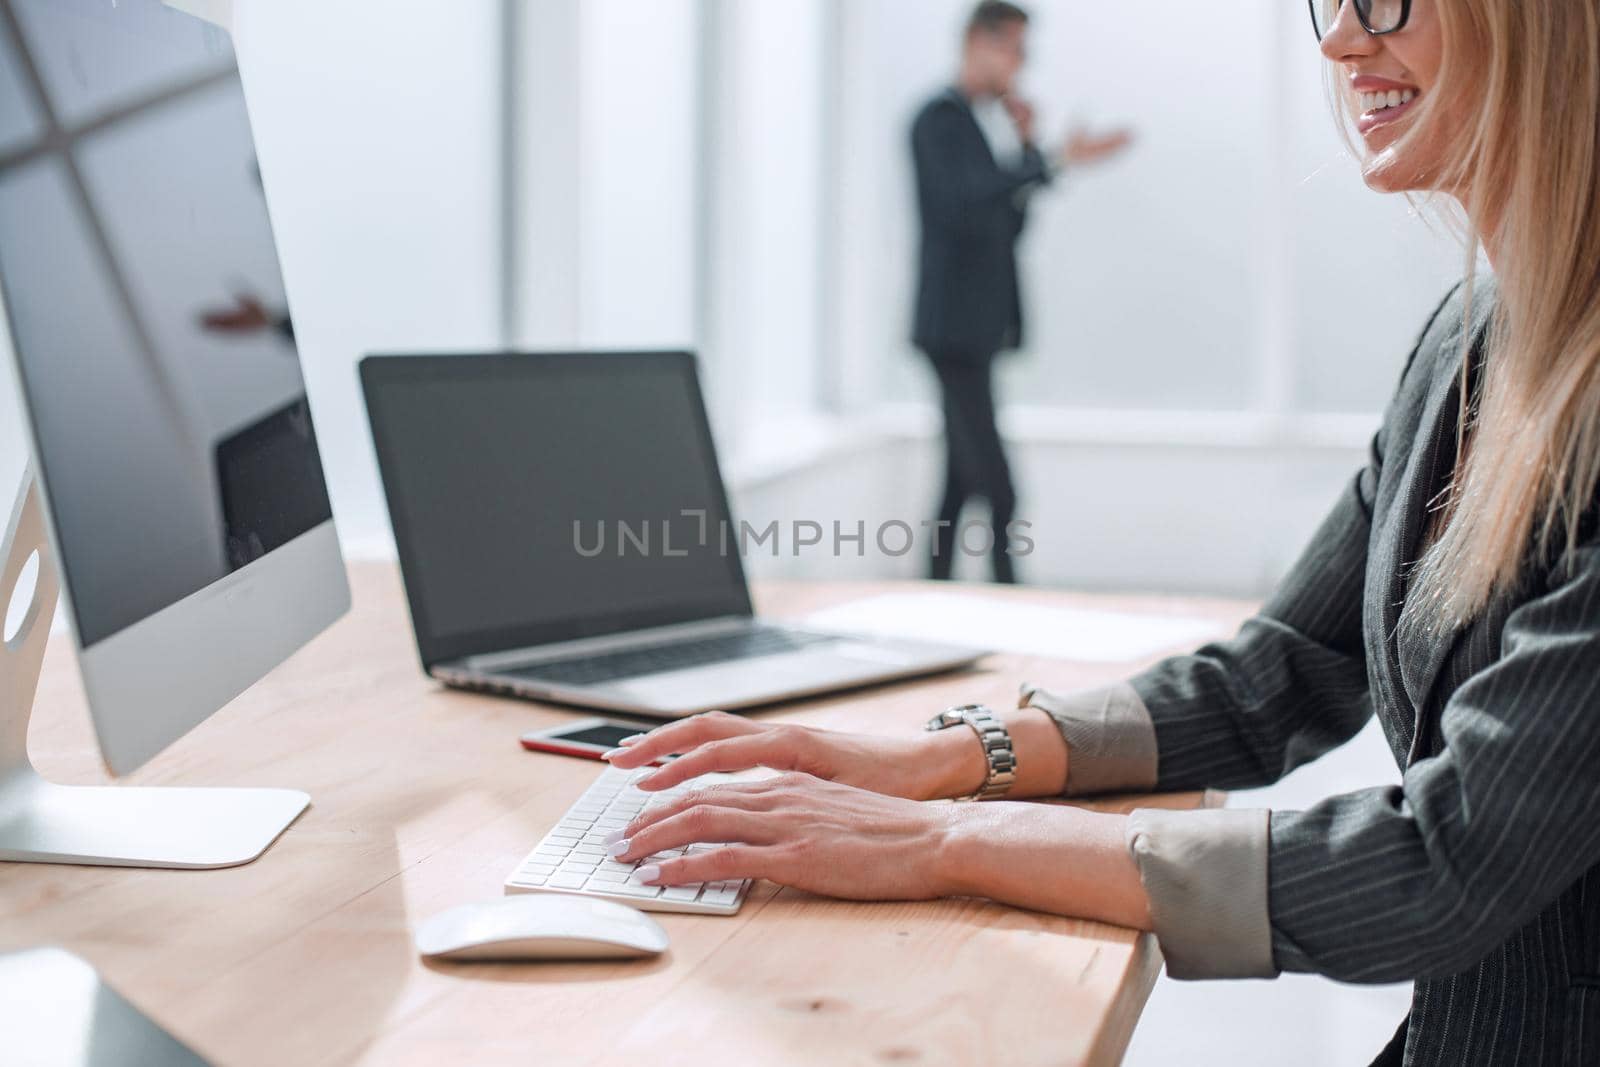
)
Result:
{"points": [[953, 764], [1048, 857]]}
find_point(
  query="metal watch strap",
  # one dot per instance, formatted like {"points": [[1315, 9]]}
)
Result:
{"points": [[996, 741]]}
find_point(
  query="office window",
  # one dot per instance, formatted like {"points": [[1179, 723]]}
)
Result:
{"points": [[1232, 261], [606, 165]]}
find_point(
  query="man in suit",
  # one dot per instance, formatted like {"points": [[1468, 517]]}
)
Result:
{"points": [[977, 166]]}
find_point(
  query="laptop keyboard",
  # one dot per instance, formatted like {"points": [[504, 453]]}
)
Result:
{"points": [[669, 656]]}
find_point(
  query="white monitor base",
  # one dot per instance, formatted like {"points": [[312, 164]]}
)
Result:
{"points": [[41, 822], [112, 826]]}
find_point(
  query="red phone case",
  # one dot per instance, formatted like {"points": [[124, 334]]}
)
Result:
{"points": [[560, 748]]}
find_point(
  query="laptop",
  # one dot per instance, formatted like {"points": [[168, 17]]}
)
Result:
{"points": [[564, 535]]}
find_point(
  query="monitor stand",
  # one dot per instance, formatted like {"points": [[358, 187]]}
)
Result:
{"points": [[115, 826], [55, 1011]]}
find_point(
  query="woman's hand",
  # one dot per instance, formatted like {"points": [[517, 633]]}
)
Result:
{"points": [[840, 841], [922, 766], [799, 831]]}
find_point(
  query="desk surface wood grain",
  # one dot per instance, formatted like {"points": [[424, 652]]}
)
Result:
{"points": [[422, 799]]}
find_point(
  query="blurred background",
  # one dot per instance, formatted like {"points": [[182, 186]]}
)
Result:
{"points": [[1215, 319]]}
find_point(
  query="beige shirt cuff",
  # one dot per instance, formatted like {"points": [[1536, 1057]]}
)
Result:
{"points": [[1111, 739], [1206, 875]]}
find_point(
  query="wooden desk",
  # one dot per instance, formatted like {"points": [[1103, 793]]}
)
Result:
{"points": [[422, 799]]}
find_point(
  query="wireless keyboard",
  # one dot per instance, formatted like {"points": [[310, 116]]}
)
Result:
{"points": [[571, 859]]}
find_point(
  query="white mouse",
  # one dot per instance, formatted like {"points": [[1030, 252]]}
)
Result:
{"points": [[541, 926]]}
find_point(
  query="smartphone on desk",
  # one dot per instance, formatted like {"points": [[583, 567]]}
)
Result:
{"points": [[586, 738]]}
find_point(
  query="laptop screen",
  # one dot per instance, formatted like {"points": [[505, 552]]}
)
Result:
{"points": [[542, 498]]}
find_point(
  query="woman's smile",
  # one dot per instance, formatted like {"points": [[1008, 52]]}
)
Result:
{"points": [[1383, 101]]}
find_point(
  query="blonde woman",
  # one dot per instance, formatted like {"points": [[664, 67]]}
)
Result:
{"points": [[1454, 591]]}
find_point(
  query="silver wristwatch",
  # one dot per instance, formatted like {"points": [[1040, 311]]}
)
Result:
{"points": [[996, 741]]}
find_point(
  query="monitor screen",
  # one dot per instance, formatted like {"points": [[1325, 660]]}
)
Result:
{"points": [[147, 309], [547, 497]]}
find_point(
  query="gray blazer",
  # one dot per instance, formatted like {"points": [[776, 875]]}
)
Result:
{"points": [[1476, 877]]}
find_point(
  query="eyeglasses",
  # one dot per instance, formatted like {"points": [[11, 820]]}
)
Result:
{"points": [[1378, 17]]}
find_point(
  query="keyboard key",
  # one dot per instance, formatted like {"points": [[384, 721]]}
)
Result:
{"points": [[538, 868], [721, 893], [633, 889], [589, 850], [581, 862], [527, 877], [680, 894], [609, 876]]}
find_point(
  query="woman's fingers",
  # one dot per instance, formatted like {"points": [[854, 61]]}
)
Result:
{"points": [[681, 736], [702, 824], [746, 796], [716, 865], [770, 748]]}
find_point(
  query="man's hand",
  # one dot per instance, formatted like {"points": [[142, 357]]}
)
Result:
{"points": [[1083, 147], [1021, 113], [248, 315]]}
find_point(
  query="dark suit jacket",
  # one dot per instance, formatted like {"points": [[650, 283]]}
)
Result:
{"points": [[972, 212], [1476, 877]]}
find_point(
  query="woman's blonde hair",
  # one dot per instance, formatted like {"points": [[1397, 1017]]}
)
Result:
{"points": [[1525, 74]]}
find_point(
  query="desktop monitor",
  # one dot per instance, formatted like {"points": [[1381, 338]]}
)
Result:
{"points": [[176, 463]]}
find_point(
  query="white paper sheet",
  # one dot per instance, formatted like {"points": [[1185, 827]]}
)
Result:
{"points": [[1061, 633]]}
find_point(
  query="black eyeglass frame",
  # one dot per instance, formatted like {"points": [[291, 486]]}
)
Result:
{"points": [[1405, 17]]}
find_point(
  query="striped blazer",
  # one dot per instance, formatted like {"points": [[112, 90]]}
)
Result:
{"points": [[1476, 877]]}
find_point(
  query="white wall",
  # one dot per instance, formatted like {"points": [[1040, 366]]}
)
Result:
{"points": [[608, 174], [637, 204], [377, 127], [764, 335]]}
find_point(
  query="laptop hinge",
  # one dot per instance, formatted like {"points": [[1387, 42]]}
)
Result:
{"points": [[590, 646]]}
